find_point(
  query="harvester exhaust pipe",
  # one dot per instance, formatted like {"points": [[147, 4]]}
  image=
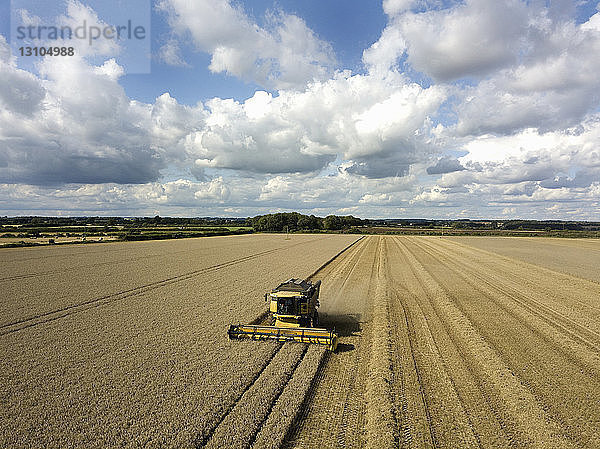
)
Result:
{"points": [[298, 334]]}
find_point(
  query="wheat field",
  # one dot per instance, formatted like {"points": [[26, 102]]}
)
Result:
{"points": [[444, 343]]}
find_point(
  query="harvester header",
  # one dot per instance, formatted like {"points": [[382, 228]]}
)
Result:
{"points": [[299, 334]]}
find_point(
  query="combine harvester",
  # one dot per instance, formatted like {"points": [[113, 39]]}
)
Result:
{"points": [[294, 317]]}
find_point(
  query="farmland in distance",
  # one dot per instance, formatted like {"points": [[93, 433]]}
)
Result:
{"points": [[444, 342]]}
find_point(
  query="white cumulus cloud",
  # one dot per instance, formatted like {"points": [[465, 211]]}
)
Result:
{"points": [[284, 53]]}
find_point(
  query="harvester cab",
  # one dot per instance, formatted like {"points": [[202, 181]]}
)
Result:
{"points": [[294, 303], [292, 308]]}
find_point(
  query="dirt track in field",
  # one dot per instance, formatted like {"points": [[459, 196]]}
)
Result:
{"points": [[444, 343]]}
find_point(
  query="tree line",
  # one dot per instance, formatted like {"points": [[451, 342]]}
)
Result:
{"points": [[294, 221]]}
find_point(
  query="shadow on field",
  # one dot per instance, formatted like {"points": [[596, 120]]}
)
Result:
{"points": [[345, 325], [344, 347]]}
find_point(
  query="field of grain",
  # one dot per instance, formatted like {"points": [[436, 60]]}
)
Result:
{"points": [[444, 343], [126, 344]]}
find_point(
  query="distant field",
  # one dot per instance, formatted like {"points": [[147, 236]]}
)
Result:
{"points": [[58, 240], [445, 342], [579, 257], [32, 236]]}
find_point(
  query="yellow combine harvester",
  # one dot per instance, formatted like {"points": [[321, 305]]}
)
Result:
{"points": [[294, 317]]}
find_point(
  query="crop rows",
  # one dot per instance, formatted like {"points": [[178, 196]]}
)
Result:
{"points": [[240, 426], [463, 348], [382, 424], [285, 411], [542, 355]]}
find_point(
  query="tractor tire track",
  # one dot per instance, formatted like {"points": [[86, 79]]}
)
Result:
{"points": [[95, 302], [409, 397], [79, 267], [123, 261]]}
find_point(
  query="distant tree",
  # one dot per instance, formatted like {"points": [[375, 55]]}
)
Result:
{"points": [[309, 222], [332, 223], [296, 221]]}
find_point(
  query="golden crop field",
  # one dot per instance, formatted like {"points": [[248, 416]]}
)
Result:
{"points": [[444, 343]]}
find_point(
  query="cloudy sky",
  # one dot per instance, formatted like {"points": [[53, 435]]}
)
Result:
{"points": [[406, 108]]}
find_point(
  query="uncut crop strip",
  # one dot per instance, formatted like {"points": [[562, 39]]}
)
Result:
{"points": [[95, 302], [290, 406], [206, 434], [28, 298], [164, 336]]}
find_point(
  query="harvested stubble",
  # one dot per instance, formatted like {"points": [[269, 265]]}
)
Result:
{"points": [[528, 316], [382, 425], [287, 407], [513, 401], [240, 426], [577, 257], [513, 371], [488, 350]]}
